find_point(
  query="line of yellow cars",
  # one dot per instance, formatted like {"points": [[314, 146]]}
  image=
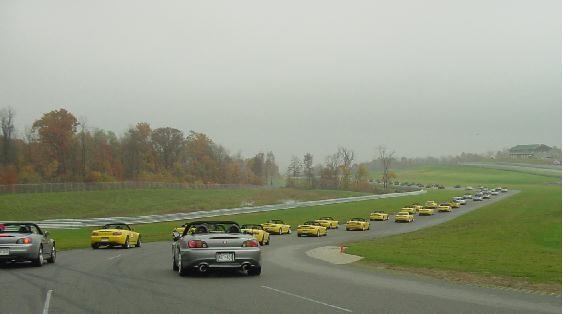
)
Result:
{"points": [[121, 234]]}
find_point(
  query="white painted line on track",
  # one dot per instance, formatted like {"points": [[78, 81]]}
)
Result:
{"points": [[113, 257], [308, 299], [47, 302]]}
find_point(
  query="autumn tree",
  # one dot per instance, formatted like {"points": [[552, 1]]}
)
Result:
{"points": [[385, 158], [201, 160], [308, 171], [346, 158], [168, 143], [56, 130], [293, 172], [362, 174], [272, 170], [7, 124]]}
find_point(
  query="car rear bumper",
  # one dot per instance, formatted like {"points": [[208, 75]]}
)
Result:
{"points": [[18, 252], [192, 258], [107, 240]]}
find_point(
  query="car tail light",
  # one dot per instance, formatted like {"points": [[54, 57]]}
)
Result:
{"points": [[116, 233], [23, 241], [196, 244], [95, 234], [250, 243]]}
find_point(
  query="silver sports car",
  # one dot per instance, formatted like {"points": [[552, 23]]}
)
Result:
{"points": [[206, 245], [26, 242]]}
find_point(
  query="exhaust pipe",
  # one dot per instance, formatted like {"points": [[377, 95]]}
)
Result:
{"points": [[202, 268], [245, 267]]}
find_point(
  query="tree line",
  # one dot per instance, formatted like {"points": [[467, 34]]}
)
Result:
{"points": [[60, 148]]}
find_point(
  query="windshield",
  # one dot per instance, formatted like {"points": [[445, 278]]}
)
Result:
{"points": [[16, 228], [116, 226]]}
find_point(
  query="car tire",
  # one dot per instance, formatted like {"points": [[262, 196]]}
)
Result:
{"points": [[268, 242], [299, 235], [318, 233], [174, 263], [181, 270], [95, 246], [139, 243], [53, 255], [280, 231], [289, 231], [254, 271], [126, 244], [38, 262]]}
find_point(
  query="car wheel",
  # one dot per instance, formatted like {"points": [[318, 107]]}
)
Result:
{"points": [[268, 242], [318, 233], [126, 244], [255, 271], [95, 246], [53, 256], [289, 231], [38, 262], [280, 231], [139, 243], [181, 270], [299, 235], [174, 263]]}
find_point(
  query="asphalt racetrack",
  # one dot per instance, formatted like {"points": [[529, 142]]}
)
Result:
{"points": [[141, 280]]}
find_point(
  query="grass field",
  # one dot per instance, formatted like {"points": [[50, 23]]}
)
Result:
{"points": [[37, 206], [68, 239], [518, 238]]}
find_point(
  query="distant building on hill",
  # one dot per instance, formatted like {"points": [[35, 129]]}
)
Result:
{"points": [[532, 151]]}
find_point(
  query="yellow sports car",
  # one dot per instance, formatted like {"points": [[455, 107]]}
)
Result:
{"points": [[454, 204], [276, 226], [328, 222], [426, 211], [445, 207], [257, 232], [357, 224], [379, 215], [115, 234], [311, 228], [431, 204], [403, 216], [410, 209], [417, 206]]}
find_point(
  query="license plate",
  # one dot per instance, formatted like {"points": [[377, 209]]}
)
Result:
{"points": [[105, 239], [225, 257], [4, 251]]}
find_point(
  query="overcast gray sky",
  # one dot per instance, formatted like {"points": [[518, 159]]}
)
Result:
{"points": [[432, 77]]}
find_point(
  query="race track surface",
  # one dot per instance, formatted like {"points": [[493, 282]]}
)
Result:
{"points": [[141, 280]]}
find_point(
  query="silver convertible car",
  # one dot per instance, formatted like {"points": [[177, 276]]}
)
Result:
{"points": [[206, 245], [26, 242]]}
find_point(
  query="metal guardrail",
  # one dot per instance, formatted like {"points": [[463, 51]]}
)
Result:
{"points": [[90, 222]]}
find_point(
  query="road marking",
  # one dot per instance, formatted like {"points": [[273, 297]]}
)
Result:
{"points": [[308, 299], [114, 257], [47, 302]]}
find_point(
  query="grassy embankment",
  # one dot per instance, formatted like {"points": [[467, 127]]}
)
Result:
{"points": [[515, 242], [133, 202]]}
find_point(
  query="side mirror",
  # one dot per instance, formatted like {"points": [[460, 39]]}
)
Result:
{"points": [[175, 235]]}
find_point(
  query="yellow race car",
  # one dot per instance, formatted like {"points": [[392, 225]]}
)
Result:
{"points": [[115, 234], [404, 216], [257, 232], [379, 215], [417, 206], [410, 209], [328, 222], [276, 226], [311, 228], [357, 224], [445, 207], [431, 204], [454, 204], [426, 211]]}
